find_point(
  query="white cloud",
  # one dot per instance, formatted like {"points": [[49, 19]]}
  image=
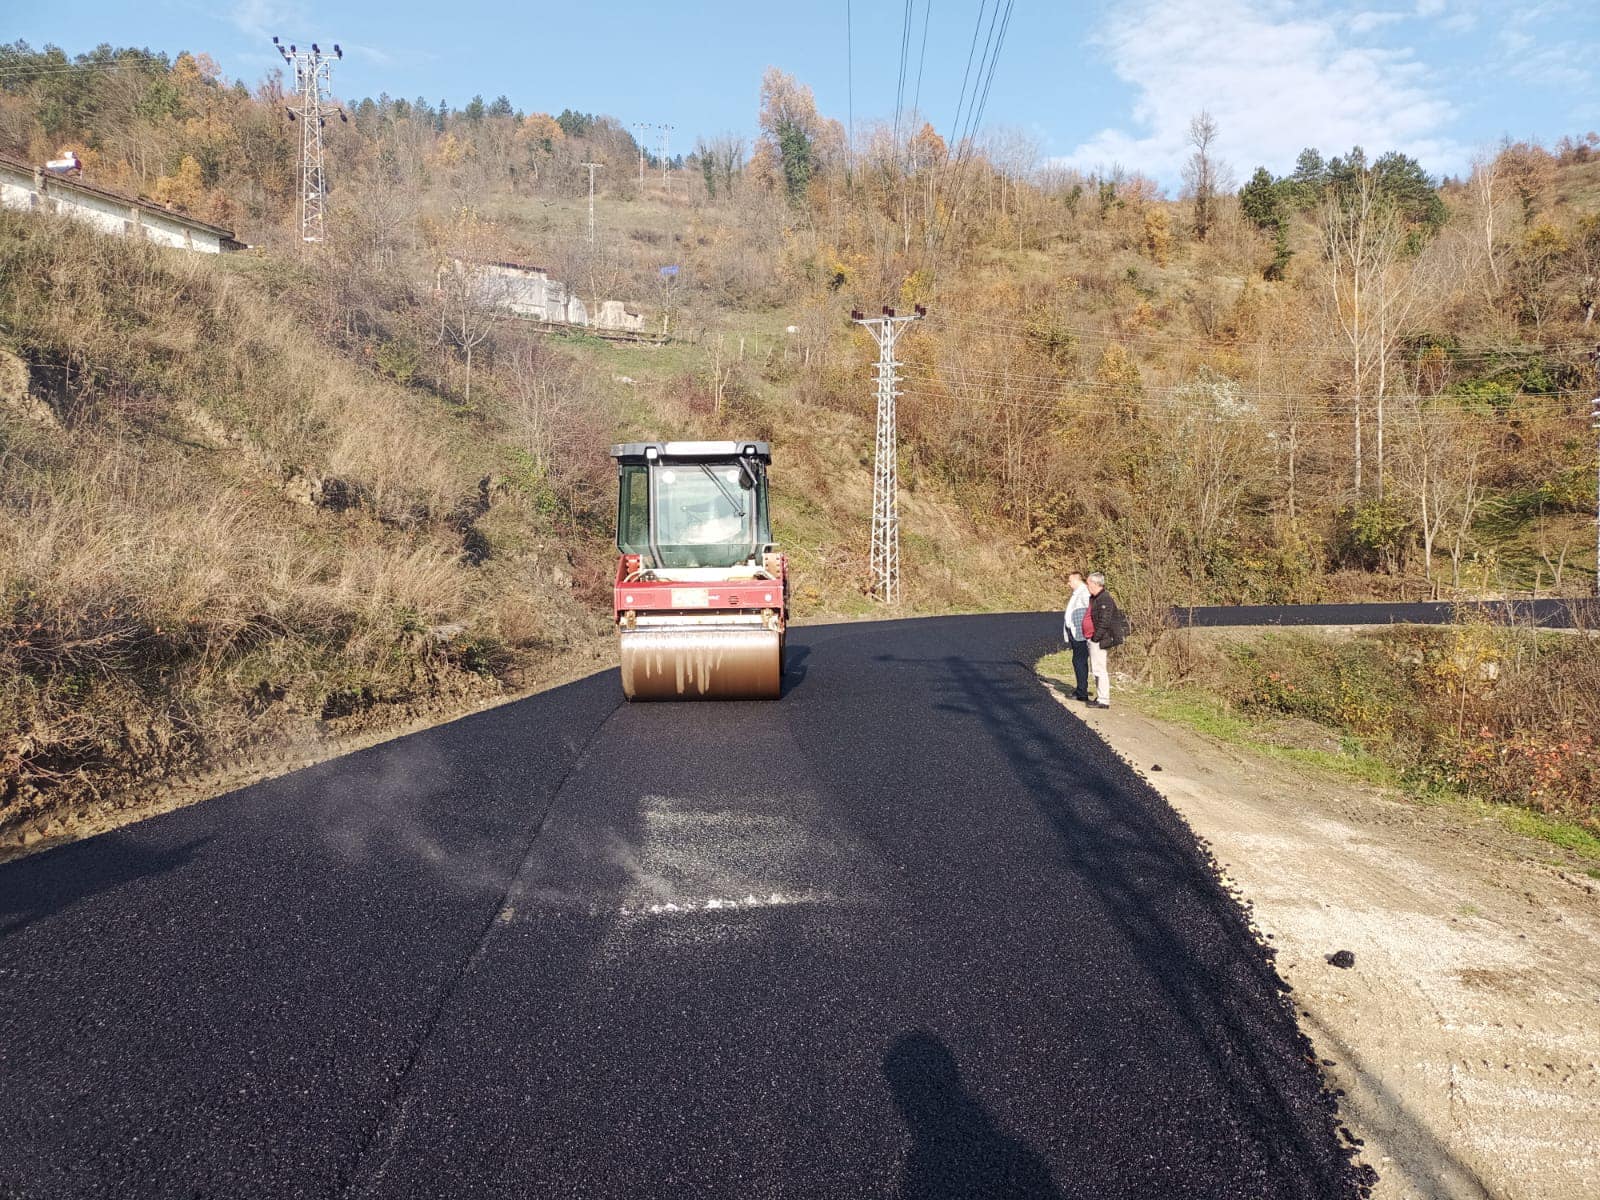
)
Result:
{"points": [[1277, 77], [1366, 22], [264, 18], [372, 54]]}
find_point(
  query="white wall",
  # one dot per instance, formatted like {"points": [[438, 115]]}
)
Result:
{"points": [[108, 216]]}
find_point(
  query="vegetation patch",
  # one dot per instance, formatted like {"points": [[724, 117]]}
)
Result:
{"points": [[1497, 719]]}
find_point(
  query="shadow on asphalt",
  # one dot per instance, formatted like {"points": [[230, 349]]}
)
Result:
{"points": [[1435, 1173], [1190, 939], [956, 1149], [794, 667], [45, 884]]}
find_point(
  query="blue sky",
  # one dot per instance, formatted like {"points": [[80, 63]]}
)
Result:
{"points": [[1089, 83]]}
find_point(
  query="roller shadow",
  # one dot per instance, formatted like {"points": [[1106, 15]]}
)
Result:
{"points": [[957, 1151], [794, 668]]}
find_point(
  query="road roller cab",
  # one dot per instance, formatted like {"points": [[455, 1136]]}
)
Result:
{"points": [[701, 599]]}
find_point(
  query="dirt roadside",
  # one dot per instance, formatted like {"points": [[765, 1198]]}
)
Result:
{"points": [[1466, 1036]]}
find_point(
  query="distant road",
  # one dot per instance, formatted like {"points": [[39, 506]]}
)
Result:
{"points": [[1548, 614], [912, 931]]}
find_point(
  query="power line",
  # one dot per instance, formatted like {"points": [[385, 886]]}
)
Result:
{"points": [[1188, 396], [1218, 373], [1170, 340], [148, 67], [1326, 422], [922, 58], [963, 145], [988, 63], [971, 50], [900, 87], [850, 81]]}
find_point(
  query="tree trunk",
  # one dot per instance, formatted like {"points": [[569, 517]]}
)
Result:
{"points": [[1294, 447]]}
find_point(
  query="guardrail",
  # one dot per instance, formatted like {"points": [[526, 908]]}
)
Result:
{"points": [[1544, 614]]}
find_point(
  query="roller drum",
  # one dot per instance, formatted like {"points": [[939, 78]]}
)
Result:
{"points": [[708, 663]]}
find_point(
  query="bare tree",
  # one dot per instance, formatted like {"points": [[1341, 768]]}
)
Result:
{"points": [[1203, 175], [1484, 182], [721, 163], [469, 291], [1373, 290], [1440, 475]]}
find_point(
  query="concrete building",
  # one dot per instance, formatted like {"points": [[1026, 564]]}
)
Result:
{"points": [[29, 188], [529, 291], [616, 316]]}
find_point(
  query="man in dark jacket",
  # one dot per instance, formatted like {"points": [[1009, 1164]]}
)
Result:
{"points": [[1106, 627], [1072, 631]]}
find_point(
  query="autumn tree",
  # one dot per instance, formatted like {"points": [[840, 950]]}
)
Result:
{"points": [[184, 189], [1484, 187], [1440, 475], [1586, 265], [789, 129], [1530, 170]]}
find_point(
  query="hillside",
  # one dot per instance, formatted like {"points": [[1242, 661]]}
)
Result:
{"points": [[229, 538], [266, 499]]}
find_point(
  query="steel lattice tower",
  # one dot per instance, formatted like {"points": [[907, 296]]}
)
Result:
{"points": [[313, 83], [886, 331]]}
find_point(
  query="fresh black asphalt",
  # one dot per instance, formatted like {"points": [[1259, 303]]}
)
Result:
{"points": [[910, 931]]}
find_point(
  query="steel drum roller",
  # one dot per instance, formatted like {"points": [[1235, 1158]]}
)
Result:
{"points": [[710, 663]]}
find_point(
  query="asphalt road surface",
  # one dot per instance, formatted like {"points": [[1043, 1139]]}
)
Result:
{"points": [[910, 931]]}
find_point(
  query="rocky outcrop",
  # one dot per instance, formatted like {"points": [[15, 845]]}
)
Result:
{"points": [[16, 394]]}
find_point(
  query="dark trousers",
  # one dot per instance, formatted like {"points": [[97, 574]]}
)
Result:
{"points": [[1080, 669]]}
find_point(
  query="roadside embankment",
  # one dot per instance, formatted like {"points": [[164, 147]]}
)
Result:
{"points": [[1501, 718], [1465, 1034]]}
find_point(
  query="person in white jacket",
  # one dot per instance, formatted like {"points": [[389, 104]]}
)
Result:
{"points": [[1072, 631]]}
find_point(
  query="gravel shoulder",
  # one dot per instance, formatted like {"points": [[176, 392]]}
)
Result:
{"points": [[1465, 1039]]}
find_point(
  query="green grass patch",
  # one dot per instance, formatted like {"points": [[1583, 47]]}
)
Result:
{"points": [[1210, 715]]}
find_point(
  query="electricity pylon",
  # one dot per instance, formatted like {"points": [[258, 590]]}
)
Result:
{"points": [[313, 85], [886, 331]]}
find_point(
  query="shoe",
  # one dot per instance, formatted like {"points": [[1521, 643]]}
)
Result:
{"points": [[1081, 699], [1102, 704]]}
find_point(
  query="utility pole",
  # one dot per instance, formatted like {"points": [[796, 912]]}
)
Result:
{"points": [[593, 167], [1594, 423], [313, 82], [886, 331], [641, 126], [666, 137]]}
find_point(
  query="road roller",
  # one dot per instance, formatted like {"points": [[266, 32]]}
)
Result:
{"points": [[702, 594]]}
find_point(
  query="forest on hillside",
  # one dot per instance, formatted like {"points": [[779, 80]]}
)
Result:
{"points": [[1356, 379], [1355, 369]]}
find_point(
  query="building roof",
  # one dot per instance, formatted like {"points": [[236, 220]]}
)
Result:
{"points": [[66, 183], [510, 266]]}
